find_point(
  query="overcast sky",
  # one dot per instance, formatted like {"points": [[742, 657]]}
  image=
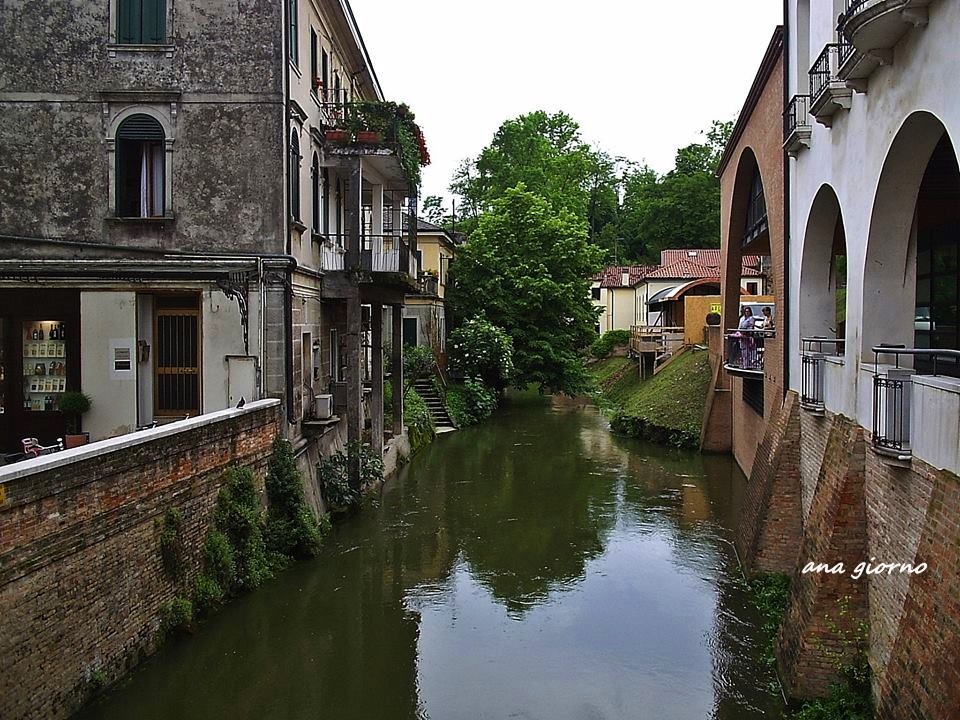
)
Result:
{"points": [[642, 78]]}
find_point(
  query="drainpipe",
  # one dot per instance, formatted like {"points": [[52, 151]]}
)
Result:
{"points": [[288, 245], [787, 349]]}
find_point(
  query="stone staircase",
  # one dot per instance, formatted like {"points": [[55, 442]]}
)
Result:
{"points": [[427, 390]]}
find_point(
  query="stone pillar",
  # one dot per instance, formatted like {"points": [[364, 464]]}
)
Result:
{"points": [[354, 383], [397, 370], [376, 379], [354, 190], [376, 221]]}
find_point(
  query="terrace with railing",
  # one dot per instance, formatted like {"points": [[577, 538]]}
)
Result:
{"points": [[744, 351], [380, 253], [900, 429], [815, 355]]}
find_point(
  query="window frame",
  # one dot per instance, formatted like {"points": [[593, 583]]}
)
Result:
{"points": [[162, 16], [294, 189], [293, 30], [122, 106]]}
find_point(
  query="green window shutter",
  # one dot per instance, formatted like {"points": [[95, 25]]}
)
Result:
{"points": [[128, 21], [154, 21]]}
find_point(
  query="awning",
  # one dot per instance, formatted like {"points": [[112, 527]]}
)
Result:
{"points": [[678, 291]]}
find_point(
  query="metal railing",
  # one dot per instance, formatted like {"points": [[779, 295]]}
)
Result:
{"points": [[892, 392], [813, 361], [796, 116], [378, 253], [745, 350], [823, 71]]}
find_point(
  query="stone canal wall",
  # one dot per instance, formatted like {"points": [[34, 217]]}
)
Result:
{"points": [[83, 586], [858, 506]]}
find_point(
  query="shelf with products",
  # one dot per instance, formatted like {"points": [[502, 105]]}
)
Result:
{"points": [[44, 364]]}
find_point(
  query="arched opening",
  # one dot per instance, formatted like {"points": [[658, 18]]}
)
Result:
{"points": [[823, 273], [912, 273], [140, 167]]}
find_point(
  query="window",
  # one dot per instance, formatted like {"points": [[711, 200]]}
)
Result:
{"points": [[753, 395], [410, 332], [177, 356], [324, 72], [140, 167], [314, 74], [334, 356], [315, 192], [595, 293], [752, 288], [294, 176], [325, 199], [292, 11], [756, 210], [141, 22]]}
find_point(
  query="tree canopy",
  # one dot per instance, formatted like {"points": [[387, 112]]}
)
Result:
{"points": [[525, 269]]}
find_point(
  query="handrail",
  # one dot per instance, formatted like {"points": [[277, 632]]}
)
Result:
{"points": [[757, 332], [796, 115], [807, 342], [898, 350]]}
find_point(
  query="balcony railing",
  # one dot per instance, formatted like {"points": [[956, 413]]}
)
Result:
{"points": [[378, 253], [828, 93], [796, 124], [892, 391], [745, 351], [823, 70], [813, 366]]}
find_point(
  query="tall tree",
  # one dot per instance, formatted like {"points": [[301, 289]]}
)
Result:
{"points": [[679, 209], [547, 154], [526, 269]]}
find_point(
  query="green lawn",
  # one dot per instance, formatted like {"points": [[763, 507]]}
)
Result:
{"points": [[667, 407]]}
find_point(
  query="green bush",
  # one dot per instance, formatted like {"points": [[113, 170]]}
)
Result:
{"points": [[292, 530], [218, 560], [419, 420], [470, 402], [418, 363], [238, 517], [845, 702], [338, 494], [171, 544], [207, 595], [480, 349], [604, 345], [179, 614]]}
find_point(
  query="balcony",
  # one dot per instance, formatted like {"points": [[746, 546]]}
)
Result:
{"points": [[856, 66], [382, 132], [875, 26], [828, 93], [814, 362], [913, 414], [744, 352], [796, 125]]}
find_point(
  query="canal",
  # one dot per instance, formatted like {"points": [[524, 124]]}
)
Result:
{"points": [[533, 567]]}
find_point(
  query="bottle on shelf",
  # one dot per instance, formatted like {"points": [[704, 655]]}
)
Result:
{"points": [[41, 332], [36, 334], [54, 335]]}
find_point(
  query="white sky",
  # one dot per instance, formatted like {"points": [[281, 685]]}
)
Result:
{"points": [[642, 78]]}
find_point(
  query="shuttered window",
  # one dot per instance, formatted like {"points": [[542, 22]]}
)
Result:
{"points": [[294, 30], [315, 199], [140, 170], [141, 22], [294, 176]]}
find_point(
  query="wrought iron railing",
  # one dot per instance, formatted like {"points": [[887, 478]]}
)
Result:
{"points": [[378, 253], [892, 392], [797, 115], [823, 71], [745, 350], [813, 366]]}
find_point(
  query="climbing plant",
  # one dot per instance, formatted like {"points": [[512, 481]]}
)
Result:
{"points": [[171, 543], [291, 530], [338, 494]]}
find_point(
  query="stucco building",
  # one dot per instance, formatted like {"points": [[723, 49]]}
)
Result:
{"points": [[179, 227]]}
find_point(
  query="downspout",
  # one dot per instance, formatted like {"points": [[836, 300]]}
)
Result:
{"points": [[288, 245], [787, 349]]}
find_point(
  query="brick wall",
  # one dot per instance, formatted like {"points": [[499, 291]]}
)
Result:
{"points": [[770, 530], [82, 583], [825, 609]]}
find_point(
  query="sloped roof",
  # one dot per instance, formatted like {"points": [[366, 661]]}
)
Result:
{"points": [[683, 270], [704, 256], [612, 277]]}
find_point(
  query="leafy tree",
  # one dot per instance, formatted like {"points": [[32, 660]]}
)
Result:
{"points": [[679, 209], [432, 209], [546, 153], [530, 262]]}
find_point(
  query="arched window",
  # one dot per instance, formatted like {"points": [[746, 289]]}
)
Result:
{"points": [[140, 167], [315, 186], [141, 22], [294, 176]]}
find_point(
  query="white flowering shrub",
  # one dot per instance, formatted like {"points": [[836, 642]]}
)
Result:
{"points": [[480, 349]]}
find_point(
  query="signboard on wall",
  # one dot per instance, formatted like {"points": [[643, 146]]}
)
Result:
{"points": [[715, 308]]}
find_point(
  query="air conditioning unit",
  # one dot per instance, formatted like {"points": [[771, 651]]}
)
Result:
{"points": [[323, 406]]}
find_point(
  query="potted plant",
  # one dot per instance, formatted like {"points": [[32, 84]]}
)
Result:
{"points": [[337, 135], [369, 137], [318, 83], [73, 404]]}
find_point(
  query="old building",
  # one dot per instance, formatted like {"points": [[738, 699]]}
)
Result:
{"points": [[180, 226]]}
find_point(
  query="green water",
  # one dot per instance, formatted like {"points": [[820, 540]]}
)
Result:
{"points": [[534, 567]]}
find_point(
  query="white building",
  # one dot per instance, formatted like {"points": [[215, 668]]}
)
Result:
{"points": [[874, 191]]}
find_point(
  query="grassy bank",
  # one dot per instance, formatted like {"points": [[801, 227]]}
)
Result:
{"points": [[667, 408]]}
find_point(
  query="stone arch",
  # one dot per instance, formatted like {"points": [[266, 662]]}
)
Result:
{"points": [[748, 171], [822, 272], [890, 267]]}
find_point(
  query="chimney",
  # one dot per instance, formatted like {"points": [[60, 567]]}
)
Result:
{"points": [[625, 279]]}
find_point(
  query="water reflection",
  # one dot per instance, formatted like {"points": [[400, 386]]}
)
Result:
{"points": [[535, 567]]}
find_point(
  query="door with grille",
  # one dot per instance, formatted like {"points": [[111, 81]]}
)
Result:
{"points": [[177, 357]]}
